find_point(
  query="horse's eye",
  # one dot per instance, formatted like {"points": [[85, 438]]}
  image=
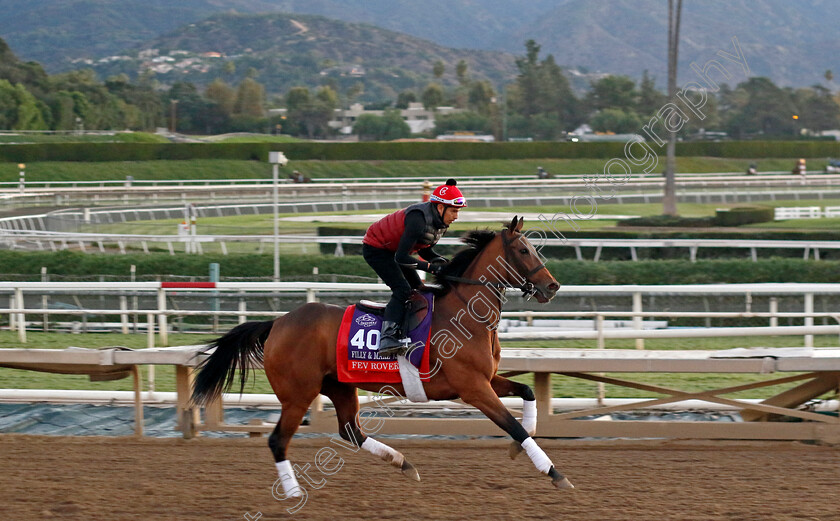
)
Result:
{"points": [[524, 251]]}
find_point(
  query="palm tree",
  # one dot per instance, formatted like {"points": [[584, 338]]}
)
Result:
{"points": [[669, 198]]}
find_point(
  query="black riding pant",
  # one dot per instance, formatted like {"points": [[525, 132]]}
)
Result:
{"points": [[399, 278]]}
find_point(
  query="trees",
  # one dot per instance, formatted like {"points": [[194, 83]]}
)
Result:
{"points": [[613, 92], [461, 72], [311, 113], [404, 98], [223, 95], [464, 121], [758, 106], [616, 120], [19, 110], [650, 100], [541, 102], [432, 96], [481, 97], [389, 126], [250, 97], [817, 109]]}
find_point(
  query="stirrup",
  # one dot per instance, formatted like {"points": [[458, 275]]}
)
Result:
{"points": [[398, 349]]}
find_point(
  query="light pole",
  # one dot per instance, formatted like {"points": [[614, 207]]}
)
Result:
{"points": [[277, 159]]}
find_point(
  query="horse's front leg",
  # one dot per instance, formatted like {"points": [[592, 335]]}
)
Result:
{"points": [[504, 387], [483, 397]]}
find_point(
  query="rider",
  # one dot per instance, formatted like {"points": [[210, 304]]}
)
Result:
{"points": [[388, 247]]}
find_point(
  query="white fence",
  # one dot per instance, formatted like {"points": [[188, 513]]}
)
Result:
{"points": [[805, 212], [157, 319]]}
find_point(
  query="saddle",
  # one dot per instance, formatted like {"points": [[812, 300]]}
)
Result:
{"points": [[418, 308], [357, 358]]}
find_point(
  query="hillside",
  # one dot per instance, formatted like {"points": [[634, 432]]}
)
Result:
{"points": [[288, 50], [54, 32], [793, 43]]}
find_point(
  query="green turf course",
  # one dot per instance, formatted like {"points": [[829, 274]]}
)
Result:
{"points": [[231, 169], [9, 137]]}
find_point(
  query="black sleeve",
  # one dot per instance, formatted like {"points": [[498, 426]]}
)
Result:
{"points": [[429, 254], [415, 223]]}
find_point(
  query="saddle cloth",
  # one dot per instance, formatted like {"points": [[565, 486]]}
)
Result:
{"points": [[358, 342]]}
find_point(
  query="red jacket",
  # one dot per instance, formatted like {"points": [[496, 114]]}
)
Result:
{"points": [[387, 232]]}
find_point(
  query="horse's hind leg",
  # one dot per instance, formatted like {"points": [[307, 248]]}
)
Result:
{"points": [[504, 387], [345, 398]]}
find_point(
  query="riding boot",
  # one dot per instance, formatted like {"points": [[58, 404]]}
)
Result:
{"points": [[391, 343]]}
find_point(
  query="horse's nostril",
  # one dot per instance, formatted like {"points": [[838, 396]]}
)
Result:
{"points": [[553, 286]]}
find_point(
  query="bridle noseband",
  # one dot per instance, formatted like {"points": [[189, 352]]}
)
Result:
{"points": [[528, 288]]}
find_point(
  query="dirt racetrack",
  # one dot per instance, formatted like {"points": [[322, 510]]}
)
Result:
{"points": [[117, 479]]}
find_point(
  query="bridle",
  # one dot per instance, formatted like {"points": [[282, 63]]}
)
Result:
{"points": [[528, 288]]}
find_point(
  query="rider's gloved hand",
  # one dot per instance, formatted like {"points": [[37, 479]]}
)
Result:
{"points": [[439, 260], [435, 268]]}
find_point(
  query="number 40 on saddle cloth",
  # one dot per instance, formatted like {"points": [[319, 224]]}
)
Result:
{"points": [[357, 344]]}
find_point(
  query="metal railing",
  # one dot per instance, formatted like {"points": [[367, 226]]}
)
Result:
{"points": [[55, 241]]}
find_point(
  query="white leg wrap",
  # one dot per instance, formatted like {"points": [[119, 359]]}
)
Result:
{"points": [[287, 476], [538, 457], [529, 416], [385, 452]]}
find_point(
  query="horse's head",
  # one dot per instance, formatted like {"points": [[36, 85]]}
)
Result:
{"points": [[521, 255]]}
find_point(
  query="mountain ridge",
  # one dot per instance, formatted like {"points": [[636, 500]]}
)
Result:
{"points": [[791, 43]]}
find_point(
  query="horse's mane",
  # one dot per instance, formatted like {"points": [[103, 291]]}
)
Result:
{"points": [[475, 242]]}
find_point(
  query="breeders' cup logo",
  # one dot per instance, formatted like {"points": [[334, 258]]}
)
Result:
{"points": [[366, 320]]}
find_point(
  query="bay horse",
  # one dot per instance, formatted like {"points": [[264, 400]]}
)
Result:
{"points": [[298, 352]]}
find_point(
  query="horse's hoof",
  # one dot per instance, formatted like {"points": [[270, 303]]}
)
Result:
{"points": [[562, 484], [515, 449], [409, 471]]}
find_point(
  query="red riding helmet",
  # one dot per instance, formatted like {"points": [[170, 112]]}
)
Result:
{"points": [[449, 194]]}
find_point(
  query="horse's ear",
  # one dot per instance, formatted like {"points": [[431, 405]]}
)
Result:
{"points": [[519, 224], [512, 226]]}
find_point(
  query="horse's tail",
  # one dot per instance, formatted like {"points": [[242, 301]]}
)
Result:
{"points": [[238, 349]]}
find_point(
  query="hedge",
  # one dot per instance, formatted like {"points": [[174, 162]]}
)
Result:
{"points": [[654, 227], [743, 215], [82, 266], [398, 151]]}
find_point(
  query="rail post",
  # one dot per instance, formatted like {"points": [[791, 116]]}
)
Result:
{"points": [[138, 401], [187, 413], [150, 343], [242, 309], [809, 320], [599, 326], [124, 314], [637, 320], [21, 318], [162, 319], [12, 301], [45, 300], [542, 392]]}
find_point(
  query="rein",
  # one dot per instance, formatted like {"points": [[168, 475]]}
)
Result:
{"points": [[528, 289]]}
